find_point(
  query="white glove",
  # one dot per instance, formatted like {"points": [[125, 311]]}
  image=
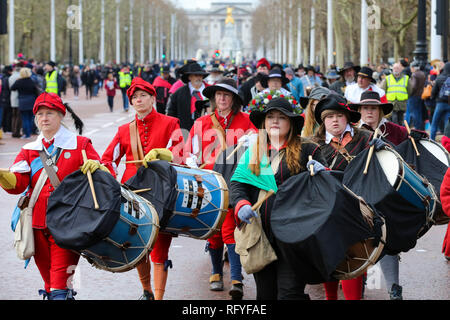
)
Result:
{"points": [[248, 139], [191, 161]]}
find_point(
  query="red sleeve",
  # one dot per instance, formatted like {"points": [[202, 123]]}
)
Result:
{"points": [[23, 178], [112, 155], [445, 193], [239, 205]]}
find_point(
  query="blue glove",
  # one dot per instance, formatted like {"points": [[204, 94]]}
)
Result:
{"points": [[317, 166], [378, 143], [245, 213]]}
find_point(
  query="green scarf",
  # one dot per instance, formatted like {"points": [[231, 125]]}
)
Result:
{"points": [[266, 179]]}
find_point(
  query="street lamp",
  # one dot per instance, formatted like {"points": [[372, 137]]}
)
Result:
{"points": [[126, 44], [421, 52]]}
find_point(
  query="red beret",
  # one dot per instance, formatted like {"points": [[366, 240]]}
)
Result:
{"points": [[263, 61], [51, 101], [140, 84]]}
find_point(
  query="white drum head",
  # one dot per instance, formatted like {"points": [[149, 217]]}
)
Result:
{"points": [[436, 150], [389, 163]]}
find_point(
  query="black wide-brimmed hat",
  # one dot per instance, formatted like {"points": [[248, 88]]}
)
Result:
{"points": [[349, 65], [281, 104], [367, 72], [278, 73], [192, 68], [223, 84], [334, 101], [372, 98]]}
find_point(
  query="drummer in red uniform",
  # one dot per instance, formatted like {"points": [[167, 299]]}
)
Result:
{"points": [[62, 149], [151, 135], [209, 136]]}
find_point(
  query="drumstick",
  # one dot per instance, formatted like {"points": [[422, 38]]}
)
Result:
{"points": [[240, 144], [370, 152], [412, 139], [260, 202], [91, 182], [142, 190], [311, 166]]}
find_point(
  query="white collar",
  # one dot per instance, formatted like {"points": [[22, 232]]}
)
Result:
{"points": [[383, 121], [329, 136], [191, 88], [64, 139]]}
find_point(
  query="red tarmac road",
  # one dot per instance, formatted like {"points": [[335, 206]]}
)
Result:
{"points": [[424, 273]]}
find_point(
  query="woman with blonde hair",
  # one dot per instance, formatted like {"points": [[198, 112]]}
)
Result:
{"points": [[311, 125], [278, 153]]}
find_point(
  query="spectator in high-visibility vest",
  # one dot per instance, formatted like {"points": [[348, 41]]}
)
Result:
{"points": [[396, 87], [51, 78], [125, 77]]}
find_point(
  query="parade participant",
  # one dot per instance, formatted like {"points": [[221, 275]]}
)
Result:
{"points": [[125, 78], [397, 85], [215, 73], [445, 194], [260, 84], [373, 113], [340, 142], [276, 81], [181, 104], [331, 77], [348, 77], [151, 135], [279, 123], [312, 100], [209, 136], [62, 148], [163, 84], [262, 66], [365, 82]]}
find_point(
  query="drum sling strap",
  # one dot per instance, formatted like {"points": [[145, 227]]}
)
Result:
{"points": [[135, 142], [221, 135]]}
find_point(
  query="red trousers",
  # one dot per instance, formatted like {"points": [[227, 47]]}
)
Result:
{"points": [[226, 235], [56, 265], [352, 289], [160, 251]]}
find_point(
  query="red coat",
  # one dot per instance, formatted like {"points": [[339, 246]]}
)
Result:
{"points": [[69, 161], [445, 200], [203, 135], [155, 131]]}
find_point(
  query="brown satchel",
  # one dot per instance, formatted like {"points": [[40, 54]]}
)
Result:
{"points": [[136, 146]]}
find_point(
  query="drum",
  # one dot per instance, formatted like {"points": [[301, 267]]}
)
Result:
{"points": [[441, 154], [432, 164], [406, 199], [131, 239], [201, 203], [325, 231]]}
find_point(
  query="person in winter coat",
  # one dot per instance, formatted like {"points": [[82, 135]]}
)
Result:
{"points": [[442, 110], [111, 86], [55, 264], [28, 93]]}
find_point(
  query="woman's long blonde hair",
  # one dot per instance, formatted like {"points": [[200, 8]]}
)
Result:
{"points": [[292, 155], [310, 120]]}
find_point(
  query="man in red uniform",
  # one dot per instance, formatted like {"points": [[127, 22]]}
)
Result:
{"points": [[151, 135], [209, 136]]}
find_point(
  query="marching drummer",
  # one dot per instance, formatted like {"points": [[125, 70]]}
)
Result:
{"points": [[150, 136], [278, 145], [341, 141], [209, 136], [61, 150]]}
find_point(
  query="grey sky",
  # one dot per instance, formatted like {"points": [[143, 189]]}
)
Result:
{"points": [[202, 4]]}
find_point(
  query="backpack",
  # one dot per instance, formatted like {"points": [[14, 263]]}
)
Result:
{"points": [[444, 93]]}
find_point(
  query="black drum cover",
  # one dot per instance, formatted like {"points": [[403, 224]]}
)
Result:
{"points": [[226, 167], [315, 220], [404, 221], [161, 177], [71, 217]]}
